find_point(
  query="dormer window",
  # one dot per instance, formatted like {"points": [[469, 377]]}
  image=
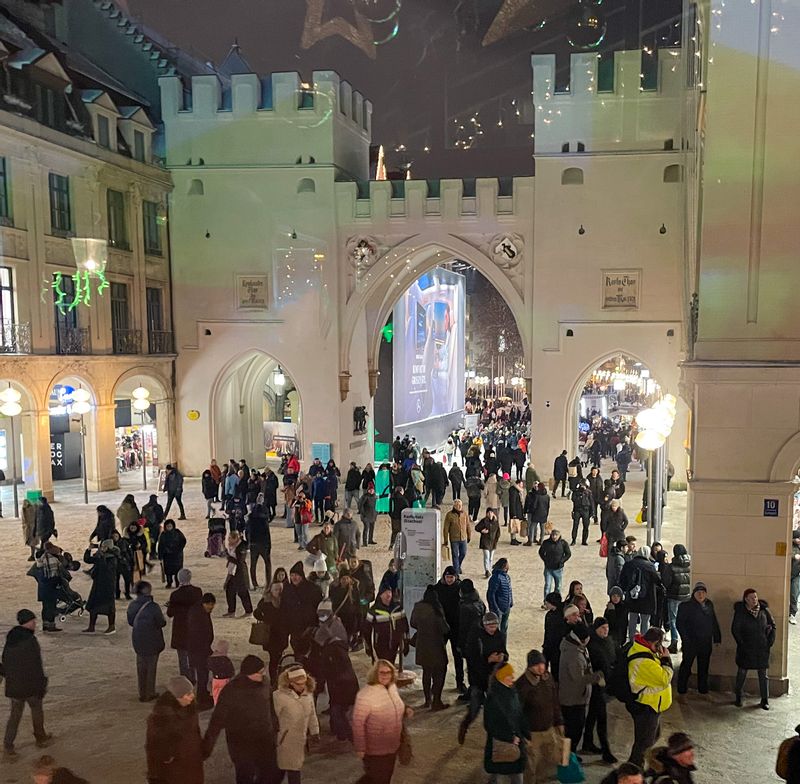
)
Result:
{"points": [[103, 131]]}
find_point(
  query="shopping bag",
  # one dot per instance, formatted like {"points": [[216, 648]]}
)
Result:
{"points": [[513, 526], [604, 546], [551, 484], [446, 556], [640, 516], [572, 772]]}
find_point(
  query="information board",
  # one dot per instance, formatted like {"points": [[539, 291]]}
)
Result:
{"points": [[422, 532]]}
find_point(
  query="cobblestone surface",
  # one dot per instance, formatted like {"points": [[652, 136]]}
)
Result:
{"points": [[92, 705]]}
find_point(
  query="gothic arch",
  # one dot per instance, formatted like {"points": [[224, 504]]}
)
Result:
{"points": [[787, 462], [377, 298]]}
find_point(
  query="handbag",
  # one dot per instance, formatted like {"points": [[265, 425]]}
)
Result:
{"points": [[572, 772], [446, 552], [405, 752], [603, 546], [259, 634], [504, 752], [513, 526]]}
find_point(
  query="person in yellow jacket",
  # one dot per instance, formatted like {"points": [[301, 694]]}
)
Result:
{"points": [[458, 530], [650, 678]]}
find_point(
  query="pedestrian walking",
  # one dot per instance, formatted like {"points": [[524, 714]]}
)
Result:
{"points": [[104, 584], [199, 641], [378, 717], [754, 630], [448, 589], [489, 529], [427, 617], [505, 725], [173, 485], [554, 552], [458, 531], [560, 473], [47, 571], [456, 477], [45, 521], [499, 596], [352, 486], [147, 621], [236, 575], [181, 600], [259, 541], [171, 545], [367, 509], [474, 487], [26, 683], [537, 508], [385, 629], [296, 721], [677, 580], [173, 744], [244, 711]]}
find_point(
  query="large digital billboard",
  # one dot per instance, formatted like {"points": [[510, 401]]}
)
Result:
{"points": [[428, 355]]}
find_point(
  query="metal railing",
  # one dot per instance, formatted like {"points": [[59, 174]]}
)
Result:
{"points": [[15, 338], [73, 340], [126, 341], [160, 342]]}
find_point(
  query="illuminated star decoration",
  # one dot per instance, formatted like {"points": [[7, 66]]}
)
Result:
{"points": [[513, 15], [314, 29], [82, 289]]}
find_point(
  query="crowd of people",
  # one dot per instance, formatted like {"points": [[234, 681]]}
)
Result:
{"points": [[313, 618]]}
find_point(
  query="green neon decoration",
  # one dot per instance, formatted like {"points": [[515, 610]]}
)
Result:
{"points": [[82, 290]]}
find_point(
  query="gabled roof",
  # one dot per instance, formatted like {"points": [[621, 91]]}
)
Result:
{"points": [[99, 98], [136, 115], [45, 61], [234, 63]]}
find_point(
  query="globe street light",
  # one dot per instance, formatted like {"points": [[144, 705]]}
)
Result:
{"points": [[141, 402]]}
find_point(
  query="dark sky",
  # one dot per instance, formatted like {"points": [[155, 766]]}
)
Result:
{"points": [[433, 75]]}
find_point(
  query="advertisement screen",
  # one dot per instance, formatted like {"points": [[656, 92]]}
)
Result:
{"points": [[428, 349]]}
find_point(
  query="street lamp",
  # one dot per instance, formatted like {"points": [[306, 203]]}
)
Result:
{"points": [[141, 402], [11, 408], [278, 377], [81, 405]]}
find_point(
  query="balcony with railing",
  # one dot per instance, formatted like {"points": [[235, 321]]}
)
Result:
{"points": [[160, 342], [127, 341], [15, 338], [72, 340]]}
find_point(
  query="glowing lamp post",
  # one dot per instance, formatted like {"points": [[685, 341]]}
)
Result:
{"points": [[141, 402], [81, 404], [10, 408]]}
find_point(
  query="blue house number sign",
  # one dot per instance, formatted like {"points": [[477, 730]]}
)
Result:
{"points": [[770, 507]]}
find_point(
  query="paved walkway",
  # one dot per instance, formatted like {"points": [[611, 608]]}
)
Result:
{"points": [[93, 709]]}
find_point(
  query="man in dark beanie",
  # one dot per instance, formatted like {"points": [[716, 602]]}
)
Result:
{"points": [[244, 711], [538, 694], [603, 655], [299, 602], [673, 763], [25, 681], [699, 630]]}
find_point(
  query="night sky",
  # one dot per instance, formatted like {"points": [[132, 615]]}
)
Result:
{"points": [[434, 75]]}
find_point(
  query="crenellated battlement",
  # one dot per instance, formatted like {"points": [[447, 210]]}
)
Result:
{"points": [[595, 117], [435, 200], [273, 120], [282, 95]]}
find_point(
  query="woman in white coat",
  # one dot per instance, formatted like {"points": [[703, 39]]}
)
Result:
{"points": [[297, 718]]}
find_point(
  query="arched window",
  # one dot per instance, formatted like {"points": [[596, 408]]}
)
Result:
{"points": [[673, 173], [196, 188], [572, 176], [306, 185]]}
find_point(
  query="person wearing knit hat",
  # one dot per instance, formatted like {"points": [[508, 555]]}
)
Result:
{"points": [[699, 631], [617, 615], [602, 655], [535, 657], [504, 672], [24, 618], [504, 722], [244, 711], [575, 679], [674, 763], [181, 688]]}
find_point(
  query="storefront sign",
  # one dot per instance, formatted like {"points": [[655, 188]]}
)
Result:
{"points": [[621, 289], [422, 533], [251, 292]]}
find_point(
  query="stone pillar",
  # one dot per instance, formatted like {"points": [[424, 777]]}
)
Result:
{"points": [[36, 437], [165, 422], [101, 453]]}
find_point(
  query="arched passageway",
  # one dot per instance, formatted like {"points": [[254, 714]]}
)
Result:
{"points": [[256, 410]]}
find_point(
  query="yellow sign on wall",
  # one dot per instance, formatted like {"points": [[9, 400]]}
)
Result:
{"points": [[193, 415]]}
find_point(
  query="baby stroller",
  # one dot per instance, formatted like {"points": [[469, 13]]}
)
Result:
{"points": [[68, 601], [215, 546]]}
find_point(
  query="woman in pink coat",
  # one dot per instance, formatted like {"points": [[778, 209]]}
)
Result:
{"points": [[377, 723]]}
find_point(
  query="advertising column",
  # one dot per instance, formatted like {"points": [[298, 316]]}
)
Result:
{"points": [[422, 537]]}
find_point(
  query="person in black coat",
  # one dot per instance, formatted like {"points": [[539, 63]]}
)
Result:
{"points": [[639, 579], [244, 710], [342, 683], [676, 577], [260, 541], [199, 638], [699, 630], [106, 524], [753, 628], [124, 564], [560, 471], [398, 503], [153, 513], [181, 600], [596, 488], [581, 512], [45, 521], [25, 679], [617, 616], [448, 589], [614, 522], [171, 545], [555, 628], [602, 655], [537, 507], [104, 584], [456, 478], [236, 578], [299, 601], [270, 493]]}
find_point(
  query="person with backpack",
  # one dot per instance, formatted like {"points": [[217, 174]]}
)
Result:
{"points": [[642, 679], [673, 763], [639, 579], [676, 577], [699, 630], [753, 628], [787, 766]]}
